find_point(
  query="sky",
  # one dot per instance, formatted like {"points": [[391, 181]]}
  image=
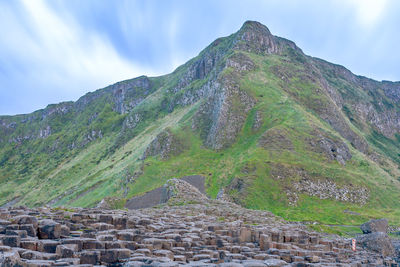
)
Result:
{"points": [[58, 50]]}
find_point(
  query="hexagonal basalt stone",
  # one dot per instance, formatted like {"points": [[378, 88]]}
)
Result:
{"points": [[49, 229]]}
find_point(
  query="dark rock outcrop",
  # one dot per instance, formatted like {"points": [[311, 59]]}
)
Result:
{"points": [[256, 38], [379, 225], [166, 144], [149, 199], [378, 242], [49, 229], [332, 147], [222, 115], [161, 195]]}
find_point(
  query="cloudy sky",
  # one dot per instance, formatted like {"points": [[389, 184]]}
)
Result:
{"points": [[53, 51]]}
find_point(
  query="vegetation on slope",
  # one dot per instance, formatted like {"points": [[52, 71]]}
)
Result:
{"points": [[76, 154]]}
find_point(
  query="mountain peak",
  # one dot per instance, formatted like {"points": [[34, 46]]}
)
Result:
{"points": [[256, 37], [254, 26]]}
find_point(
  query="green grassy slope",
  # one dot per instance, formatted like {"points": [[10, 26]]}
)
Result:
{"points": [[253, 164], [95, 147]]}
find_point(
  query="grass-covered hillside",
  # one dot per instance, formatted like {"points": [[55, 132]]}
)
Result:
{"points": [[269, 127]]}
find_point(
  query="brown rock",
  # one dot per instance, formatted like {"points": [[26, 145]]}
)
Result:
{"points": [[89, 257], [29, 244], [67, 250], [114, 255], [64, 231], [36, 255], [38, 263], [49, 229], [25, 219], [29, 228], [12, 240], [48, 246]]}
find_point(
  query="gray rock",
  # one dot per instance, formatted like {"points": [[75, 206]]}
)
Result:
{"points": [[166, 144], [26, 219], [9, 259], [275, 263], [378, 242], [49, 229], [12, 240], [380, 225]]}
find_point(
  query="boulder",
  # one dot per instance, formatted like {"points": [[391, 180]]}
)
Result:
{"points": [[36, 255], [275, 263], [125, 236], [29, 228], [378, 242], [11, 240], [67, 250], [92, 244], [25, 219], [30, 244], [48, 246], [114, 255], [65, 230], [89, 257], [380, 225], [68, 262], [49, 229], [39, 263], [20, 233], [10, 258]]}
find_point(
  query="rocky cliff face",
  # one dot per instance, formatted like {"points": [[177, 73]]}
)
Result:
{"points": [[266, 124]]}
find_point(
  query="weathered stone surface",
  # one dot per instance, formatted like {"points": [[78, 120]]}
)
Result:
{"points": [[30, 244], [10, 259], [36, 255], [67, 250], [49, 229], [166, 144], [275, 263], [11, 240], [39, 263], [65, 230], [29, 228], [378, 242], [182, 235], [89, 257], [20, 233], [48, 246], [373, 226], [114, 255], [25, 219]]}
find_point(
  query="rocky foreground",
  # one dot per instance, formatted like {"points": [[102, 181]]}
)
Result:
{"points": [[189, 231]]}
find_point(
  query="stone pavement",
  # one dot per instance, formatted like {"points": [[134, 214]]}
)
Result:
{"points": [[189, 231]]}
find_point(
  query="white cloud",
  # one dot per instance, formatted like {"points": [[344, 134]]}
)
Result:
{"points": [[369, 12], [56, 53]]}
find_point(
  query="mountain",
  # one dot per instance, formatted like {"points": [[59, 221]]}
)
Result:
{"points": [[266, 125]]}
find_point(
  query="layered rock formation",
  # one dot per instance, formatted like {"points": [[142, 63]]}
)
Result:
{"points": [[202, 232]]}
